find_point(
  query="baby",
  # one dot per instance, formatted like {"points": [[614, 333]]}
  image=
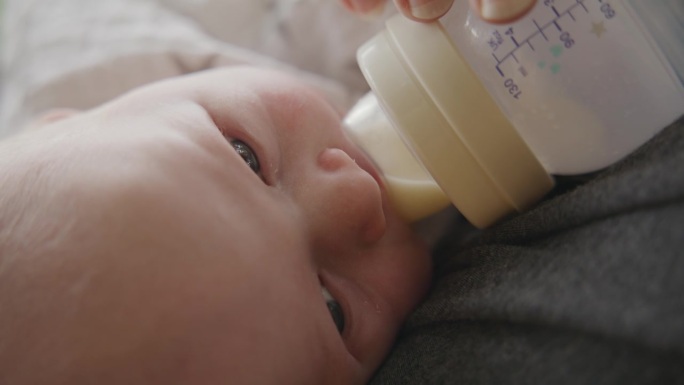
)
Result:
{"points": [[214, 228]]}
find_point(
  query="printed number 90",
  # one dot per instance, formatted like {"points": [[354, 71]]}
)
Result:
{"points": [[607, 10]]}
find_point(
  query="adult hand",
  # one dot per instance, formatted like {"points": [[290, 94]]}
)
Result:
{"points": [[495, 11]]}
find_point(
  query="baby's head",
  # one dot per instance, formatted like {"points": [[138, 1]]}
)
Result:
{"points": [[183, 234]]}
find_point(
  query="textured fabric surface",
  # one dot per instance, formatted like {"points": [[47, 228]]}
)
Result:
{"points": [[587, 288]]}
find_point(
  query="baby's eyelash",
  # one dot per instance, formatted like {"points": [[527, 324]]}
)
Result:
{"points": [[335, 309]]}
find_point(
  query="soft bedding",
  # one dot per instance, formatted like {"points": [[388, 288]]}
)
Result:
{"points": [[80, 53]]}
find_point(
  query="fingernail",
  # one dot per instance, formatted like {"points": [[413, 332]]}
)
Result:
{"points": [[429, 10], [368, 9], [503, 10]]}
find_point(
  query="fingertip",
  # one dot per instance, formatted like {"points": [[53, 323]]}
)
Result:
{"points": [[424, 10], [500, 11], [365, 8]]}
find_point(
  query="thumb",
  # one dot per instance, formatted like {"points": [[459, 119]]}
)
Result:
{"points": [[424, 10], [500, 11]]}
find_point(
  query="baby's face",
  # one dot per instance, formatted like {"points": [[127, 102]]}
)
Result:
{"points": [[198, 220]]}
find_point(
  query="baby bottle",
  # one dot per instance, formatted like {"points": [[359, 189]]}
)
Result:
{"points": [[483, 115]]}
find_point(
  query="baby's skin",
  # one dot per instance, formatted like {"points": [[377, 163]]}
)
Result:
{"points": [[182, 234]]}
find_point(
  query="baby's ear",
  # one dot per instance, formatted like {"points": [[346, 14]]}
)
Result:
{"points": [[51, 116]]}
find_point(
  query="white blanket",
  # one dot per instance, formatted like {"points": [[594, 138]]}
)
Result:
{"points": [[80, 53]]}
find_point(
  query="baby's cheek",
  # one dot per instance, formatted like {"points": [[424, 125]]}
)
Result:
{"points": [[404, 272]]}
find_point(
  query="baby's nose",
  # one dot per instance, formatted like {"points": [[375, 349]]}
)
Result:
{"points": [[349, 200]]}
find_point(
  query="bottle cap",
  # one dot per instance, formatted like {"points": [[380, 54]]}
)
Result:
{"points": [[449, 120]]}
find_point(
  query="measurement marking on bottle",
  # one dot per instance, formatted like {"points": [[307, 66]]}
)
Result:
{"points": [[540, 31], [498, 69], [581, 4]]}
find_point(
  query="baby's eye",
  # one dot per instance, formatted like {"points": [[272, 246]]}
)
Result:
{"points": [[335, 309], [247, 154]]}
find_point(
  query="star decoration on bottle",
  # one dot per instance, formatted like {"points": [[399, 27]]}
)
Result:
{"points": [[598, 29]]}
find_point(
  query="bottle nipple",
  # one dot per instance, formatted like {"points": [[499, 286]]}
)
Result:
{"points": [[412, 191]]}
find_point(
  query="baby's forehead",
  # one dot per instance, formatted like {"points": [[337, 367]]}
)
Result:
{"points": [[267, 83], [283, 97]]}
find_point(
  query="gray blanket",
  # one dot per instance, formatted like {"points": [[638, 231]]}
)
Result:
{"points": [[587, 288]]}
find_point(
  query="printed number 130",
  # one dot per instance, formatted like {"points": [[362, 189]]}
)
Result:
{"points": [[513, 88]]}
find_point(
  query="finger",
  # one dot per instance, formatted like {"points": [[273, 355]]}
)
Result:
{"points": [[365, 7], [500, 11], [424, 10]]}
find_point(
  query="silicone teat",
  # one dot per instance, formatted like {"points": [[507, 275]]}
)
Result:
{"points": [[413, 192]]}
